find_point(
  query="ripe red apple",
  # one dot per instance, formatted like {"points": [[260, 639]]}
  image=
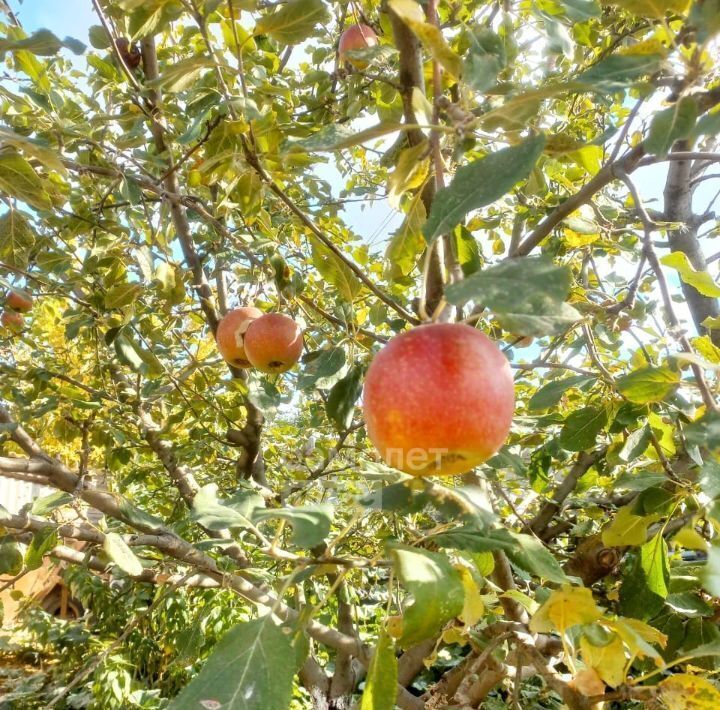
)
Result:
{"points": [[230, 334], [438, 400], [273, 343], [129, 52], [12, 321], [18, 300], [353, 38]]}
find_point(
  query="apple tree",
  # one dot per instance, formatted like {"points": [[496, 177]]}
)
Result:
{"points": [[543, 171]]}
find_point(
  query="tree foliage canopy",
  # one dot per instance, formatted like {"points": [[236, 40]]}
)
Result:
{"points": [[242, 544]]}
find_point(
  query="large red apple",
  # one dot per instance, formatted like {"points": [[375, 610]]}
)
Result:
{"points": [[273, 343], [438, 400], [230, 334], [12, 321], [18, 300], [354, 38]]}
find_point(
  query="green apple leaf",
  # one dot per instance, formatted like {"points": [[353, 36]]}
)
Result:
{"points": [[480, 183]]}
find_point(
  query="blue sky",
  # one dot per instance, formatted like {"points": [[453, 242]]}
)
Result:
{"points": [[64, 17]]}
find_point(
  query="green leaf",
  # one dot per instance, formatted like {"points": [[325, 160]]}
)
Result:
{"points": [[705, 17], [183, 74], [121, 295], [636, 444], [310, 523], [408, 243], [11, 559], [127, 352], [524, 551], [581, 10], [637, 600], [654, 564], [673, 124], [472, 540], [34, 148], [581, 429], [620, 71], [481, 183], [48, 503], [16, 239], [537, 308], [43, 541], [263, 394], [98, 37], [381, 682], [323, 371], [335, 271], [648, 384], [141, 518], [42, 43], [118, 551], [708, 125], [294, 22], [18, 179], [710, 479], [435, 592], [705, 432], [340, 404], [486, 59], [711, 574], [209, 512], [689, 604], [530, 554], [701, 281], [468, 252], [250, 668], [339, 136], [497, 287], [550, 394]]}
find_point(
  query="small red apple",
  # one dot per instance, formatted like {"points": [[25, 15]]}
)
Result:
{"points": [[129, 52], [273, 343], [438, 400], [12, 321], [18, 300], [354, 38], [230, 334]]}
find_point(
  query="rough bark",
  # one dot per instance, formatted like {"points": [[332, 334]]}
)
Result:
{"points": [[678, 197]]}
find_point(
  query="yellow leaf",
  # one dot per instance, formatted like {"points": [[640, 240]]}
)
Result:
{"points": [[700, 280], [638, 636], [422, 108], [689, 692], [565, 608], [575, 239], [647, 46], [706, 349], [590, 157], [413, 16], [395, 626], [664, 431], [691, 539], [473, 607], [454, 635], [530, 605], [609, 660], [411, 170], [656, 9], [627, 528]]}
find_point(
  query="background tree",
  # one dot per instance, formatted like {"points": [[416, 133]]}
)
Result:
{"points": [[243, 545]]}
